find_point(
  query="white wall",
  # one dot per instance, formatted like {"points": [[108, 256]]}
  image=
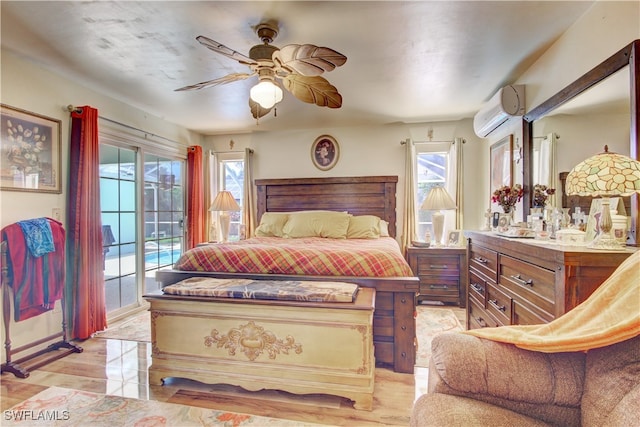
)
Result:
{"points": [[29, 87], [363, 151]]}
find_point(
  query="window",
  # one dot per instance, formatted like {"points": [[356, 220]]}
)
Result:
{"points": [[433, 168], [231, 178]]}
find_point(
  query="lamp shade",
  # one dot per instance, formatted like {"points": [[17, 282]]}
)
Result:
{"points": [[224, 202], [605, 174], [266, 93], [438, 199]]}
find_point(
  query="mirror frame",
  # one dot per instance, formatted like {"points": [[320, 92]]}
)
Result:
{"points": [[627, 56]]}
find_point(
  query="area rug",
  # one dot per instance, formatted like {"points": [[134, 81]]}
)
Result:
{"points": [[136, 328], [63, 407], [430, 322]]}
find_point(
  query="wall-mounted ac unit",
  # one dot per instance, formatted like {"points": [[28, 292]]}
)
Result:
{"points": [[508, 102]]}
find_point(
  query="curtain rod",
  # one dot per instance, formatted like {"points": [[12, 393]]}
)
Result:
{"points": [[73, 109], [543, 137], [231, 152], [432, 142]]}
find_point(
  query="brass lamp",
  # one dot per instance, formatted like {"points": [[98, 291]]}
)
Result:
{"points": [[606, 175], [224, 203], [437, 200]]}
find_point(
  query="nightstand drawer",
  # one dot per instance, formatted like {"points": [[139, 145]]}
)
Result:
{"points": [[440, 288], [499, 304], [438, 266]]}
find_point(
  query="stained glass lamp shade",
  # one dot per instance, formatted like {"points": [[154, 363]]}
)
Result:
{"points": [[605, 175]]}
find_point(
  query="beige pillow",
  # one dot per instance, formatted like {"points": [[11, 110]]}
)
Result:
{"points": [[363, 227], [384, 228], [271, 224], [329, 224]]}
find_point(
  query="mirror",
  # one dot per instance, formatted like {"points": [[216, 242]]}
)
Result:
{"points": [[599, 108]]}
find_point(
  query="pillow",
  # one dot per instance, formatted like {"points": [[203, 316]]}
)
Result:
{"points": [[271, 224], [364, 227], [384, 228], [329, 224]]}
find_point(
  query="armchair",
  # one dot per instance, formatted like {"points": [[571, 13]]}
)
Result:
{"points": [[582, 369]]}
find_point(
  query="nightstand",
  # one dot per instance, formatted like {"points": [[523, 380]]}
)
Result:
{"points": [[442, 273]]}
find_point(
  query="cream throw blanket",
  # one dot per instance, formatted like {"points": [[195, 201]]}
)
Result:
{"points": [[610, 315]]}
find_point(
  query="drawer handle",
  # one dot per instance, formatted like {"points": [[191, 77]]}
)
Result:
{"points": [[403, 300], [518, 278], [494, 302], [403, 354], [438, 267], [438, 287], [477, 288], [481, 260], [404, 328], [481, 321]]}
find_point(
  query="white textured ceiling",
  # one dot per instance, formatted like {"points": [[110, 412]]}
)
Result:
{"points": [[414, 61]]}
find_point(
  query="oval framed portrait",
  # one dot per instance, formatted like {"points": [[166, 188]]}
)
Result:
{"points": [[325, 152]]}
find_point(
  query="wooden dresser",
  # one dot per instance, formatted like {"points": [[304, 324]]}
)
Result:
{"points": [[524, 282]]}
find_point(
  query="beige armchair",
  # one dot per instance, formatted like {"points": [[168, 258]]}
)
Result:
{"points": [[478, 382]]}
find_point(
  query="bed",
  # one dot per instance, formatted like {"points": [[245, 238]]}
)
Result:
{"points": [[393, 318]]}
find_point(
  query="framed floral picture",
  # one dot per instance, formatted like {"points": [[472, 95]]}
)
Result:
{"points": [[501, 163], [31, 152], [325, 152]]}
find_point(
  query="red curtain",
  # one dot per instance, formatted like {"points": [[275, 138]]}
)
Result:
{"points": [[85, 280], [196, 211]]}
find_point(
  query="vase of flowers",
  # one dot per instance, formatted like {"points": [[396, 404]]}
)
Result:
{"points": [[507, 197], [541, 194]]}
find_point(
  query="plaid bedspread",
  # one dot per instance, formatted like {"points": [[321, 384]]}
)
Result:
{"points": [[314, 256]]}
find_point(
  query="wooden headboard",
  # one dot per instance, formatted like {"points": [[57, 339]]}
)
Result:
{"points": [[367, 195]]}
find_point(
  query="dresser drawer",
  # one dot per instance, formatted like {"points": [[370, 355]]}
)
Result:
{"points": [[499, 304], [479, 318], [484, 260], [524, 315], [530, 282], [477, 287], [438, 266]]}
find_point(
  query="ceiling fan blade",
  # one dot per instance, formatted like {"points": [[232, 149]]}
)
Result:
{"points": [[313, 89], [219, 81], [308, 59], [224, 50], [257, 110]]}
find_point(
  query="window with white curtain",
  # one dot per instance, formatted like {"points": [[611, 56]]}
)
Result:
{"points": [[434, 166]]}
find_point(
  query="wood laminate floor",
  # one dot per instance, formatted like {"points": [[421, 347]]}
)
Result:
{"points": [[120, 368]]}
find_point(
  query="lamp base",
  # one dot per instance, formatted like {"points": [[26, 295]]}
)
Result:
{"points": [[225, 220], [437, 218], [605, 242]]}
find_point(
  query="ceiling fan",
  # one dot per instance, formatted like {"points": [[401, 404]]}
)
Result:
{"points": [[297, 66]]}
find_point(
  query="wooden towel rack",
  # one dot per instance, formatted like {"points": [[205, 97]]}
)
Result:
{"points": [[39, 358]]}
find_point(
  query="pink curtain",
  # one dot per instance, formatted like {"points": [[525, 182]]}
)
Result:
{"points": [[85, 280], [196, 213]]}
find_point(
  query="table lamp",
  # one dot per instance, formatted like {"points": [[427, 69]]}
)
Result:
{"points": [[224, 203], [438, 199], [606, 175]]}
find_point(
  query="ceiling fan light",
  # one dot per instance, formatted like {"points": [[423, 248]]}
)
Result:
{"points": [[266, 93]]}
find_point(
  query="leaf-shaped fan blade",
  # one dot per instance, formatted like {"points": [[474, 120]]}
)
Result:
{"points": [[219, 81], [307, 59], [257, 110], [314, 90], [222, 49]]}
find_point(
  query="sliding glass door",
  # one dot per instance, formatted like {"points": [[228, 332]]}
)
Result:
{"points": [[142, 203]]}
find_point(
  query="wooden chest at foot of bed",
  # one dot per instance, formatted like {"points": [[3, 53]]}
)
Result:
{"points": [[298, 347]]}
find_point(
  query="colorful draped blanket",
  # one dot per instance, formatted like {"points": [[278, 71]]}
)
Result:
{"points": [[283, 290], [610, 315], [313, 256]]}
